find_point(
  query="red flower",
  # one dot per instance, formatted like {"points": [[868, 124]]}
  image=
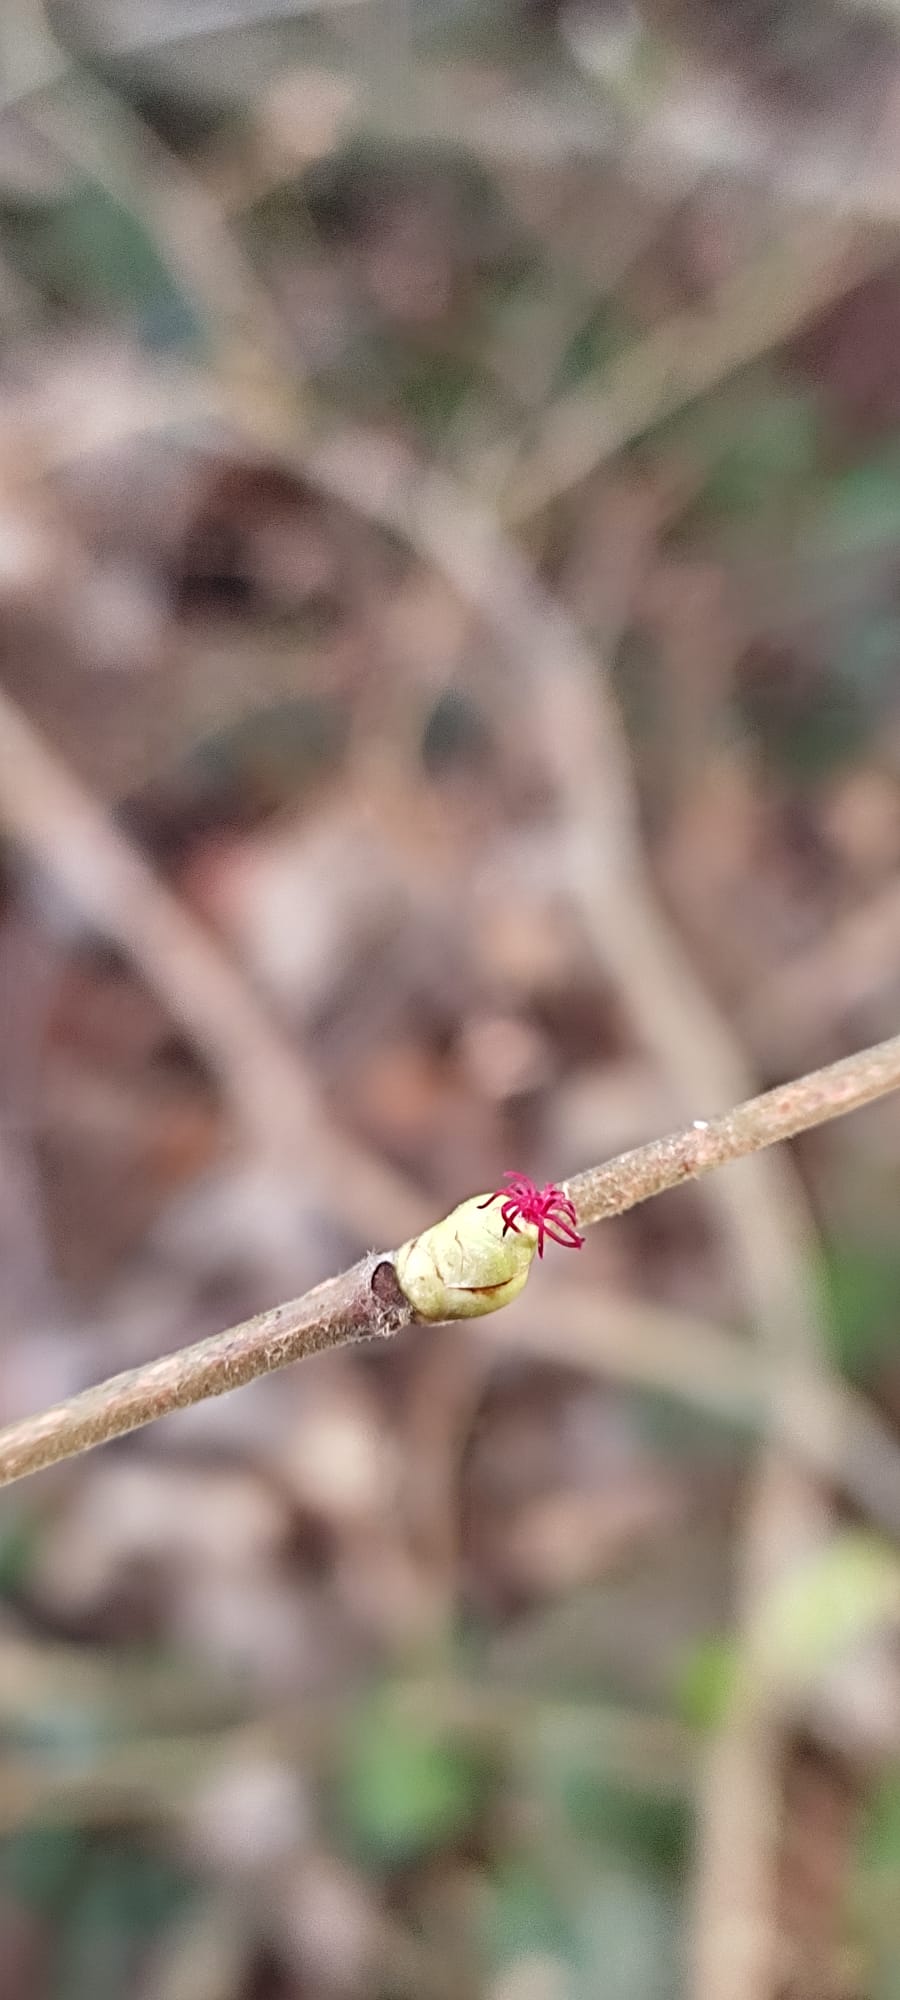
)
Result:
{"points": [[551, 1211]]}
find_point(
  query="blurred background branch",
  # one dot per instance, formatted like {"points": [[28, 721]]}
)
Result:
{"points": [[448, 574]]}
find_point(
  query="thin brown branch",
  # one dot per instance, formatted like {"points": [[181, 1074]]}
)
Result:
{"points": [[366, 1301], [709, 1143], [756, 309], [94, 129], [361, 1304]]}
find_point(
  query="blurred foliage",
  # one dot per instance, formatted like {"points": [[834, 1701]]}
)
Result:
{"points": [[451, 289], [861, 1286], [405, 1789], [621, 1919], [706, 1682], [105, 1901], [876, 1888], [91, 252], [757, 449]]}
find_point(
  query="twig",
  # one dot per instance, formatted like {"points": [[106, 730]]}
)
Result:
{"points": [[758, 308], [366, 1302], [94, 129], [778, 1114], [359, 1305]]}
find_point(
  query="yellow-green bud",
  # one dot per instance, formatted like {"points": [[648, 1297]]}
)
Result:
{"points": [[465, 1266]]}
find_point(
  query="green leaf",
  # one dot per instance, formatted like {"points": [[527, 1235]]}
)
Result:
{"points": [[90, 250], [405, 1788], [832, 1603], [597, 342], [875, 1890], [861, 1284], [760, 445], [865, 652], [642, 1827], [124, 1897], [18, 1547], [39, 1864], [610, 1931], [860, 508], [433, 387], [628, 1938], [884, 1973], [763, 450], [819, 1613], [706, 1682], [879, 1846], [525, 1917], [820, 737]]}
